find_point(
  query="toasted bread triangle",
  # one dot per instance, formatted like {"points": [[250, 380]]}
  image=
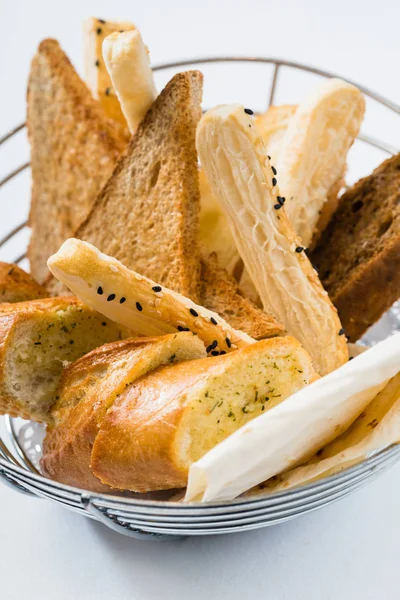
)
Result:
{"points": [[74, 148], [147, 215]]}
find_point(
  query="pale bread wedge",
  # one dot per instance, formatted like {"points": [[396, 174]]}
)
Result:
{"points": [[88, 389], [314, 151], [158, 427], [376, 428], [137, 302], [37, 339], [128, 66], [234, 157], [74, 148], [95, 71], [18, 286], [147, 214]]}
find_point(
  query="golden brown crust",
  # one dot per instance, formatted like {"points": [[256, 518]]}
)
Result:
{"points": [[221, 294], [13, 318], [151, 202], [18, 286], [137, 446], [74, 148], [88, 389]]}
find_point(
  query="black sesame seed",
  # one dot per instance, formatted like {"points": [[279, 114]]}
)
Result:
{"points": [[341, 331], [193, 312], [156, 288], [209, 348], [277, 206], [228, 342], [269, 156], [281, 200], [139, 306], [107, 91], [123, 299], [299, 249], [38, 343], [248, 111], [100, 290], [214, 344], [99, 30], [222, 352], [110, 297], [101, 21], [180, 328], [274, 181], [213, 321], [215, 353], [104, 323], [97, 63], [273, 170]]}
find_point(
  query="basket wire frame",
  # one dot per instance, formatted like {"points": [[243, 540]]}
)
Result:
{"points": [[151, 519]]}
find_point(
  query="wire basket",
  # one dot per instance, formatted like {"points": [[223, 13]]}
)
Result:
{"points": [[158, 517]]}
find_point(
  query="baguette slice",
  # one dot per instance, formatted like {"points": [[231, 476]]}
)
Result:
{"points": [[88, 389], [147, 214], [358, 256], [74, 148], [292, 432], [136, 302], [18, 286], [157, 428], [233, 155], [39, 338], [314, 151], [128, 65], [95, 72]]}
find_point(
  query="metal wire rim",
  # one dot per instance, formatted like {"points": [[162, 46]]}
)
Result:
{"points": [[158, 519]]}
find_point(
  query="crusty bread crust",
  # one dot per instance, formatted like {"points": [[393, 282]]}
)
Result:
{"points": [[74, 148], [87, 391], [13, 317], [18, 286], [152, 199], [141, 445]]}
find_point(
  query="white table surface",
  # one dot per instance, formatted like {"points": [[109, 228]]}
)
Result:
{"points": [[346, 551]]}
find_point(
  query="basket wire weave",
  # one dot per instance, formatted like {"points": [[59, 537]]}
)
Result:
{"points": [[140, 517]]}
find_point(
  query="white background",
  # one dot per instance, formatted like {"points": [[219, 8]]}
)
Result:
{"points": [[347, 551]]}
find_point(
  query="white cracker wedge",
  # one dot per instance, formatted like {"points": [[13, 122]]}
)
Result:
{"points": [[95, 72], [314, 149], [234, 158], [376, 428], [124, 296], [293, 431], [128, 65]]}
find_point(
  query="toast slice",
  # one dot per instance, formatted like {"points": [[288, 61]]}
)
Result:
{"points": [[88, 389], [358, 256], [74, 148], [147, 215], [39, 338], [18, 286], [166, 421], [221, 294]]}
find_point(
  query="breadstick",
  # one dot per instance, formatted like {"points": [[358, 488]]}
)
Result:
{"points": [[126, 297], [128, 65], [239, 171], [314, 150], [95, 72]]}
